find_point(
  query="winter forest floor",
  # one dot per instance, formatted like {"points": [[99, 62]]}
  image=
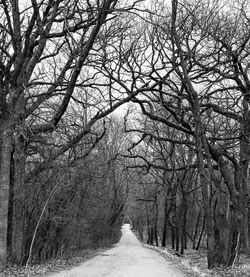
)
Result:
{"points": [[128, 258], [195, 262], [53, 265], [192, 263]]}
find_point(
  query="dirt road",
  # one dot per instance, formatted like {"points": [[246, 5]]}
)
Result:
{"points": [[127, 259]]}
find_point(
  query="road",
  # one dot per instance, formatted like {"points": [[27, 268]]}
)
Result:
{"points": [[127, 259]]}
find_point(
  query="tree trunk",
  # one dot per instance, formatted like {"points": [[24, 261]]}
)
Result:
{"points": [[196, 229], [182, 220], [183, 229], [244, 180], [201, 233], [230, 232], [148, 226], [165, 221], [20, 194], [10, 209], [155, 223], [206, 181], [156, 235], [234, 238], [151, 235], [172, 237], [5, 175], [177, 239]]}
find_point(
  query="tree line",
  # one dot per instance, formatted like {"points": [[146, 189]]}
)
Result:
{"points": [[193, 138], [68, 166]]}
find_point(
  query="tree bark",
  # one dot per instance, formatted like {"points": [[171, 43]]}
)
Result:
{"points": [[5, 175], [183, 227], [244, 163], [177, 239], [196, 229], [173, 237], [201, 233], [156, 222], [165, 222], [18, 195], [10, 209]]}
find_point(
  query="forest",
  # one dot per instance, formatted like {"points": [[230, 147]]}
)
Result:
{"points": [[113, 109]]}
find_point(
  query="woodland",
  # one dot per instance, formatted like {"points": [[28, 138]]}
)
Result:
{"points": [[115, 110]]}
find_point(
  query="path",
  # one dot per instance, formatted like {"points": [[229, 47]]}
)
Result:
{"points": [[127, 259]]}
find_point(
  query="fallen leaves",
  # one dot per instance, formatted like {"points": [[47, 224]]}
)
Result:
{"points": [[52, 265], [195, 262]]}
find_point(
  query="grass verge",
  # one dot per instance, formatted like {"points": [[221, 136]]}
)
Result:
{"points": [[194, 262], [54, 265]]}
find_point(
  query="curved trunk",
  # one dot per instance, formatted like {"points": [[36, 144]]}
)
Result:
{"points": [[201, 234]]}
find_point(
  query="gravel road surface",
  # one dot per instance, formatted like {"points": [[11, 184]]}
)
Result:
{"points": [[127, 259]]}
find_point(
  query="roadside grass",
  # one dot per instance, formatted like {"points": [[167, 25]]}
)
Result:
{"points": [[54, 265], [194, 262], [64, 262]]}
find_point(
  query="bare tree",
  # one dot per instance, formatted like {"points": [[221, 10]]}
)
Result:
{"points": [[199, 56], [46, 49]]}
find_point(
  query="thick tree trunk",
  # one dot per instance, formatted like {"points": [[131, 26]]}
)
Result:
{"points": [[20, 194], [10, 209], [2, 123], [205, 179], [246, 234], [244, 181], [230, 224], [234, 238], [5, 175], [221, 230]]}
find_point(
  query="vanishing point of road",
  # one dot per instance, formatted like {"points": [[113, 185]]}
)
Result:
{"points": [[127, 259]]}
